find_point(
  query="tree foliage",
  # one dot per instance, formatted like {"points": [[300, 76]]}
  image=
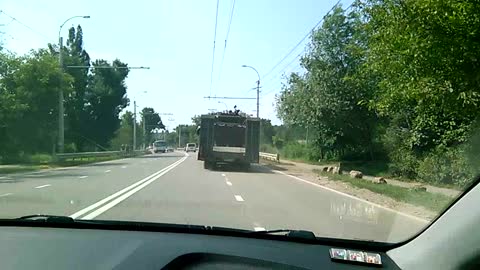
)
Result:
{"points": [[29, 91], [392, 78]]}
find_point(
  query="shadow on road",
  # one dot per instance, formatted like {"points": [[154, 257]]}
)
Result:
{"points": [[104, 164], [169, 155], [254, 168], [272, 166]]}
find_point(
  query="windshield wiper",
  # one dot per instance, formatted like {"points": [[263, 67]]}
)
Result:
{"points": [[48, 218], [289, 233]]}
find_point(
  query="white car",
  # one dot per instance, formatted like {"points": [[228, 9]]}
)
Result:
{"points": [[191, 147]]}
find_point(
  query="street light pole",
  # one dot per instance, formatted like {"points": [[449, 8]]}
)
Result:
{"points": [[61, 123], [258, 89]]}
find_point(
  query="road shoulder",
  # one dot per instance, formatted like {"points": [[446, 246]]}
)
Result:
{"points": [[307, 173]]}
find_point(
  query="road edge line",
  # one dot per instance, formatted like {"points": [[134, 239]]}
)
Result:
{"points": [[353, 197]]}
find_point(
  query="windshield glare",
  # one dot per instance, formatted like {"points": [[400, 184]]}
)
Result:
{"points": [[356, 119]]}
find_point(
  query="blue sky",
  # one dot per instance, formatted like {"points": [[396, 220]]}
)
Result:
{"points": [[175, 39]]}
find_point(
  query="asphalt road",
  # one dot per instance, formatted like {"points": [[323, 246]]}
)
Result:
{"points": [[174, 188]]}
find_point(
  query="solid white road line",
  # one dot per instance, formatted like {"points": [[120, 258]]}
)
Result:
{"points": [[129, 193], [239, 198], [83, 176], [6, 194], [107, 171], [119, 193], [353, 197], [258, 229], [43, 186], [229, 183]]}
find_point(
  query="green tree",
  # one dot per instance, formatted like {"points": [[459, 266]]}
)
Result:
{"points": [[328, 97], [28, 104], [124, 135], [106, 99], [152, 121]]}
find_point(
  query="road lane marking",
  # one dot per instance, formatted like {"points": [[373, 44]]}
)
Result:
{"points": [[223, 174], [83, 176], [239, 198], [119, 193], [129, 193], [43, 186], [229, 183], [123, 167], [352, 197], [257, 229], [107, 171], [6, 194]]}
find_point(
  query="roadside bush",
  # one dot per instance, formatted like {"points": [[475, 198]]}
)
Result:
{"points": [[295, 150], [39, 159], [446, 166], [267, 148]]}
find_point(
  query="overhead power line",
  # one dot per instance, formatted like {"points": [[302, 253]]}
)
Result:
{"points": [[26, 26], [300, 42], [226, 40], [213, 51]]}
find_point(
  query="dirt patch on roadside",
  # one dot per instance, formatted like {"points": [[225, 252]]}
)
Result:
{"points": [[305, 172]]}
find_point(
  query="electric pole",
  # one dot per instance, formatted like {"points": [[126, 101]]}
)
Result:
{"points": [[134, 125]]}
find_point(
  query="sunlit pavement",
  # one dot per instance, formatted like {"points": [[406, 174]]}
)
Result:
{"points": [[174, 188]]}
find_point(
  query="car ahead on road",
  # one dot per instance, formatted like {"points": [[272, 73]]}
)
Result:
{"points": [[191, 147], [159, 146]]}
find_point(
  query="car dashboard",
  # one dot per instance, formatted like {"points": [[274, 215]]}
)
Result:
{"points": [[68, 248]]}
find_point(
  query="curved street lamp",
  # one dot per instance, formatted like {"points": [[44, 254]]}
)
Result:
{"points": [[258, 88], [226, 107]]}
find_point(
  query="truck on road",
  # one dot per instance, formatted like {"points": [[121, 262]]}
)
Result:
{"points": [[228, 138]]}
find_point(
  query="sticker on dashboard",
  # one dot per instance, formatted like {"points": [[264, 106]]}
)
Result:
{"points": [[355, 256]]}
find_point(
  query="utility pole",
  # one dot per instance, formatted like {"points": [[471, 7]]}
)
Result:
{"points": [[179, 136], [61, 125], [258, 97], [258, 89], [134, 125], [144, 131], [61, 120]]}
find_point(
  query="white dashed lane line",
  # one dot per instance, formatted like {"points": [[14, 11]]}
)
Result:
{"points": [[83, 176], [6, 194], [107, 171], [229, 183], [123, 167], [239, 198], [43, 186]]}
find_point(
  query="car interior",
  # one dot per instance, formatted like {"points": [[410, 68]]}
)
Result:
{"points": [[450, 242]]}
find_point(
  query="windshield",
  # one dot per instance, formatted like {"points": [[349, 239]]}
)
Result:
{"points": [[357, 119], [158, 144]]}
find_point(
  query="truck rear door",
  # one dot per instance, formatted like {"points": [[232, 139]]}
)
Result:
{"points": [[252, 140], [206, 138]]}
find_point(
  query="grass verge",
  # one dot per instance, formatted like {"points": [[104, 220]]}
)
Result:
{"points": [[6, 169], [432, 201], [20, 168]]}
